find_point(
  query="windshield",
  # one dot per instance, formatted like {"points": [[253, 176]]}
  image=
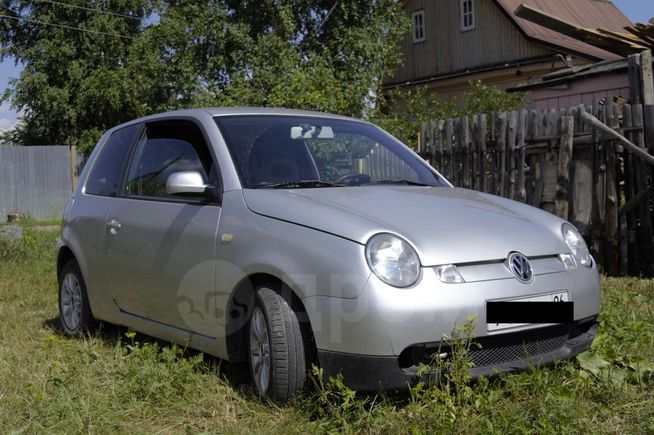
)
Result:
{"points": [[271, 151]]}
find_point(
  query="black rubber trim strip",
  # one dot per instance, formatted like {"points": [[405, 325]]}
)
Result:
{"points": [[163, 323]]}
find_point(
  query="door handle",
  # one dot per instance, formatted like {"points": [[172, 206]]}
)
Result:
{"points": [[114, 226]]}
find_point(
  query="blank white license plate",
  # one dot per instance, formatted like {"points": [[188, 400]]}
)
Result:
{"points": [[560, 296]]}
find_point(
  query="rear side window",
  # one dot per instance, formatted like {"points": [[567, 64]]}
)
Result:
{"points": [[105, 175], [168, 147]]}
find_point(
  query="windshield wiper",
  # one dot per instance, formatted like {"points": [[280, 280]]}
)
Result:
{"points": [[300, 184], [401, 181]]}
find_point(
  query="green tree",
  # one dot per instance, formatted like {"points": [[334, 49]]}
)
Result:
{"points": [[75, 83], [325, 55], [320, 55]]}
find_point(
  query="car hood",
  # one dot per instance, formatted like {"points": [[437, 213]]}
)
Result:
{"points": [[445, 225]]}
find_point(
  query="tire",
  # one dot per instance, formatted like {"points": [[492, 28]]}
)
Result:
{"points": [[282, 339], [74, 309]]}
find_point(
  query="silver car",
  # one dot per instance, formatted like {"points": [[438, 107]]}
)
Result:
{"points": [[288, 238]]}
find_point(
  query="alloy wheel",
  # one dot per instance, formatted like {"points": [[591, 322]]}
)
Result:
{"points": [[260, 361], [71, 301]]}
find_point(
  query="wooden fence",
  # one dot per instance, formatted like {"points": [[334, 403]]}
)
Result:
{"points": [[556, 161]]}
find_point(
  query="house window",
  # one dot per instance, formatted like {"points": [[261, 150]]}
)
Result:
{"points": [[418, 19], [467, 15]]}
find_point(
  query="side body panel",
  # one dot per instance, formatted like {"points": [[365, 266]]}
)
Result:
{"points": [[161, 261]]}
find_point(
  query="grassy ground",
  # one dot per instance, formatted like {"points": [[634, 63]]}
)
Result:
{"points": [[117, 381]]}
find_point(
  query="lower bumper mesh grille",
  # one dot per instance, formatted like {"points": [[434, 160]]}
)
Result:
{"points": [[530, 347], [501, 348]]}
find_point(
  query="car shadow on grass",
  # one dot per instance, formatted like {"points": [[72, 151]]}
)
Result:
{"points": [[235, 374]]}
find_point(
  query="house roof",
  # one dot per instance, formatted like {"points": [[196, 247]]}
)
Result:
{"points": [[585, 13]]}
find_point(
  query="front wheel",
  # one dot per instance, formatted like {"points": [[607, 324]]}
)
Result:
{"points": [[276, 347], [74, 309]]}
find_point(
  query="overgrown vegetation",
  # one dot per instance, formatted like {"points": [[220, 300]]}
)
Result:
{"points": [[403, 110], [117, 380]]}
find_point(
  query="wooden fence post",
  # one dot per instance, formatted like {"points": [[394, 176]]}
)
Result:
{"points": [[646, 243], [646, 81], [635, 92], [483, 127], [521, 192], [629, 251], [501, 152], [511, 146], [73, 166], [475, 153], [441, 158], [449, 129], [464, 142], [431, 145], [563, 170], [611, 194], [421, 137]]}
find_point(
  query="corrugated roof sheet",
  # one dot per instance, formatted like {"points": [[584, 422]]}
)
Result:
{"points": [[586, 13]]}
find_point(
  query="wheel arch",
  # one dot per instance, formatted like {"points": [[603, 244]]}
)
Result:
{"points": [[240, 307], [64, 254]]}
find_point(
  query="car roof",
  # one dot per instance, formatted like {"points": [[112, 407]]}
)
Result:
{"points": [[231, 111]]}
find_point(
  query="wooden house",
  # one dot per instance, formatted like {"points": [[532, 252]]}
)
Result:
{"points": [[452, 42]]}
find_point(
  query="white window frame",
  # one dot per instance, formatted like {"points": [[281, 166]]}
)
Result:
{"points": [[469, 16], [418, 30]]}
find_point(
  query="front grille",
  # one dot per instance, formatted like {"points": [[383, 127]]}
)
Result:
{"points": [[523, 348], [501, 348]]}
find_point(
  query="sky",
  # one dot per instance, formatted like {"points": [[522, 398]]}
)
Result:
{"points": [[635, 10]]}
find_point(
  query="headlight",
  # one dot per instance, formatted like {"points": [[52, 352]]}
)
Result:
{"points": [[577, 245], [393, 260]]}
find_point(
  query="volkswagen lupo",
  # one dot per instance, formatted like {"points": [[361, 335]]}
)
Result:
{"points": [[286, 238]]}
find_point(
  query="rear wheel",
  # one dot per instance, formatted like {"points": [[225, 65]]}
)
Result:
{"points": [[74, 309], [276, 347]]}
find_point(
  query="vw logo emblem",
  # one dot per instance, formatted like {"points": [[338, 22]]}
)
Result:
{"points": [[520, 266]]}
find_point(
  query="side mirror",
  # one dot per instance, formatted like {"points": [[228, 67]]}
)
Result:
{"points": [[189, 183]]}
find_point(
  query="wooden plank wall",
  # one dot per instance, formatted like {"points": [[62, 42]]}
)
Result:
{"points": [[494, 40], [552, 160]]}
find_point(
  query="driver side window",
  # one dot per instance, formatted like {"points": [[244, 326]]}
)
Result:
{"points": [[165, 148]]}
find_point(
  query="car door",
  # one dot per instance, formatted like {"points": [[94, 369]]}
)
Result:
{"points": [[161, 246]]}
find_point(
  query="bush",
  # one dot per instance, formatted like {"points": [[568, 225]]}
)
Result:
{"points": [[401, 111]]}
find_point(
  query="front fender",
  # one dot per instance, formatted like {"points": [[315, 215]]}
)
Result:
{"points": [[310, 262]]}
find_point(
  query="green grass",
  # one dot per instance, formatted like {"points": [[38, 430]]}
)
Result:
{"points": [[31, 223], [117, 381]]}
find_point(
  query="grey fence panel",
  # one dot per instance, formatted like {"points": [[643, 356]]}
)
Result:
{"points": [[35, 180], [7, 181]]}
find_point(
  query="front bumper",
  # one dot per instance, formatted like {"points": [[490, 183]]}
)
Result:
{"points": [[496, 354], [372, 339], [384, 320]]}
